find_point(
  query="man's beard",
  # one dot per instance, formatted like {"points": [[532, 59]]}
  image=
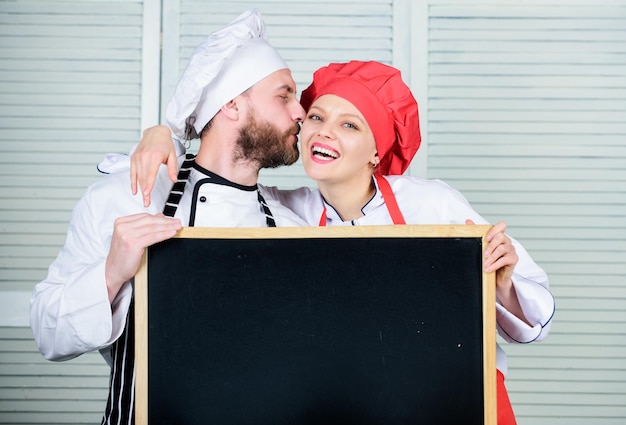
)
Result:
{"points": [[264, 144]]}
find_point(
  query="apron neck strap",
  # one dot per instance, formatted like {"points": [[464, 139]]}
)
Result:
{"points": [[390, 200], [176, 193]]}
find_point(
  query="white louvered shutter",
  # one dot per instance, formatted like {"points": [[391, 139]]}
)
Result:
{"points": [[527, 117], [70, 85]]}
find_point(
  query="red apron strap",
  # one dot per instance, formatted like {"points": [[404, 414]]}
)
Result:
{"points": [[323, 218], [390, 200]]}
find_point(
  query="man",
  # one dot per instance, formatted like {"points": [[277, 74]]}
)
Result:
{"points": [[238, 95]]}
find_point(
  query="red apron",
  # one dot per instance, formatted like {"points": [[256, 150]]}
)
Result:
{"points": [[505, 410]]}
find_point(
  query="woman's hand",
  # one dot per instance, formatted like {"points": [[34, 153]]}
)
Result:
{"points": [[155, 148], [500, 256]]}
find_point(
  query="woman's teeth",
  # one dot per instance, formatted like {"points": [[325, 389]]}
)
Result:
{"points": [[324, 153]]}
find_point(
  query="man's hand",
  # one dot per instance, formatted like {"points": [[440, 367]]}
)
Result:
{"points": [[131, 236], [154, 149]]}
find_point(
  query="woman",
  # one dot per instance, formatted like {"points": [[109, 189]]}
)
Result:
{"points": [[362, 124]]}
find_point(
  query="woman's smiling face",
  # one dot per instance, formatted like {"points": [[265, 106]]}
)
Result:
{"points": [[337, 143]]}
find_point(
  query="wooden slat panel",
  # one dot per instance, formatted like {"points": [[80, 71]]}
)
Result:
{"points": [[71, 72], [525, 117], [69, 92], [50, 418], [32, 388]]}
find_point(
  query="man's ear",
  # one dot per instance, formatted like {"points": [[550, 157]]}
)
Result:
{"points": [[231, 110]]}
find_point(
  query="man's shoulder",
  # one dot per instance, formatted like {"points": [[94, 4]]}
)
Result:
{"points": [[113, 193], [110, 186]]}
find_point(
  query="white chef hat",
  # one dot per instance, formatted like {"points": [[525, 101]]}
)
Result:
{"points": [[227, 63]]}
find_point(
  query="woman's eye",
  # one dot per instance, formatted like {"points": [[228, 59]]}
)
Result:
{"points": [[350, 125], [314, 117]]}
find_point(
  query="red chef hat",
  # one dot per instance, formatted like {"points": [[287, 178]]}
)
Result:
{"points": [[378, 92]]}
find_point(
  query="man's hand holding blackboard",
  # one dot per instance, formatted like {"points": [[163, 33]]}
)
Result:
{"points": [[131, 236]]}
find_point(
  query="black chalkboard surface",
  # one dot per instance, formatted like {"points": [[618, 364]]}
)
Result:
{"points": [[367, 325]]}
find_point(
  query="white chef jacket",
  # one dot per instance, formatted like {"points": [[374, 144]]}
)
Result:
{"points": [[70, 312], [424, 201]]}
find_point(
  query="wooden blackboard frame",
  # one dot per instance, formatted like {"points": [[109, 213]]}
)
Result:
{"points": [[327, 233]]}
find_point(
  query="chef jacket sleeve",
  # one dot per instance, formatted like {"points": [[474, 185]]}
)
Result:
{"points": [[70, 313], [536, 300]]}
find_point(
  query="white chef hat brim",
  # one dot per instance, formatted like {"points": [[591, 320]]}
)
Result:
{"points": [[223, 66]]}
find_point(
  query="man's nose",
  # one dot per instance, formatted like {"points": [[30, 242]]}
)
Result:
{"points": [[299, 113]]}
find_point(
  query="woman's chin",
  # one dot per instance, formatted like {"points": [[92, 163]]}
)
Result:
{"points": [[315, 171]]}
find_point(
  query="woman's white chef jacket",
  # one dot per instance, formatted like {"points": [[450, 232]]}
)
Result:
{"points": [[434, 202], [70, 311]]}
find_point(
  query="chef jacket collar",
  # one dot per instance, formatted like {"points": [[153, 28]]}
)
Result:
{"points": [[370, 206]]}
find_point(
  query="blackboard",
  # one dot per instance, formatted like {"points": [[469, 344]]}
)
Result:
{"points": [[351, 325]]}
